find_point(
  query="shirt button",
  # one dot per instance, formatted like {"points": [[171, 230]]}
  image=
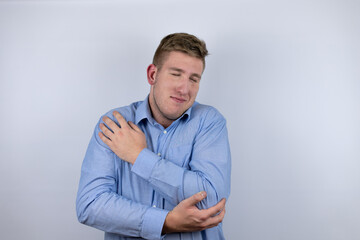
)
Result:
{"points": [[165, 131], [159, 154], [154, 206]]}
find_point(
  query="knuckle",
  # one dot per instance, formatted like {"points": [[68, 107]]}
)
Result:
{"points": [[203, 218], [117, 132], [107, 130], [197, 197], [198, 221], [203, 225]]}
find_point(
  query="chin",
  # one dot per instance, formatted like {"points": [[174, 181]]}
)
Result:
{"points": [[174, 116]]}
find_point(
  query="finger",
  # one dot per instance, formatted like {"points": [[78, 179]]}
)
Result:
{"points": [[134, 126], [194, 199], [220, 216], [215, 209], [222, 211], [215, 220], [105, 139], [120, 119], [107, 132], [110, 124]]}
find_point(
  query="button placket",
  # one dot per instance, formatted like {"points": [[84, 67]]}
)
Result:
{"points": [[161, 139]]}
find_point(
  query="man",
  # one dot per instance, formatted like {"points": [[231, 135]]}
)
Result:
{"points": [[160, 168]]}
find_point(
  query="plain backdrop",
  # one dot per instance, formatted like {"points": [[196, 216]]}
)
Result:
{"points": [[285, 74]]}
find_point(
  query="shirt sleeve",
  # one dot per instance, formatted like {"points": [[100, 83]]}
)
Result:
{"points": [[209, 166], [98, 205]]}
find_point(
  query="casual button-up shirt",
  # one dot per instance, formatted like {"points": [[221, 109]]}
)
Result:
{"points": [[131, 201]]}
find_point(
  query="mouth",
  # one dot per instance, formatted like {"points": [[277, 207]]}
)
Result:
{"points": [[178, 99]]}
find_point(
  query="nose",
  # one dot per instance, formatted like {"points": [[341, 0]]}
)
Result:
{"points": [[183, 86]]}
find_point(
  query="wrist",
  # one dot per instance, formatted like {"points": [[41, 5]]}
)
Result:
{"points": [[167, 227], [136, 155]]}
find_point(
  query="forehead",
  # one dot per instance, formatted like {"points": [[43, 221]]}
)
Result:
{"points": [[184, 62]]}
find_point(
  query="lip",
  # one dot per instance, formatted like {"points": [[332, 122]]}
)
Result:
{"points": [[178, 99]]}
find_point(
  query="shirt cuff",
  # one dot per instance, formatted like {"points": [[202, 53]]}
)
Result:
{"points": [[153, 223], [145, 163]]}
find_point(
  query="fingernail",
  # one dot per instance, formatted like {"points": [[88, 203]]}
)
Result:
{"points": [[201, 193]]}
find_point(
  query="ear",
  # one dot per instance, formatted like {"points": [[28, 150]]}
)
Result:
{"points": [[151, 74]]}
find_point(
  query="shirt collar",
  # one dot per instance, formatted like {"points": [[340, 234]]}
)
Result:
{"points": [[143, 112]]}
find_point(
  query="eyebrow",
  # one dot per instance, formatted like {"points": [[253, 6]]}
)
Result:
{"points": [[182, 71]]}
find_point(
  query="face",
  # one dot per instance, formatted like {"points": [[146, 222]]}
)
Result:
{"points": [[174, 86]]}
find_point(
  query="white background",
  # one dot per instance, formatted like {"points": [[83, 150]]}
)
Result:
{"points": [[285, 74]]}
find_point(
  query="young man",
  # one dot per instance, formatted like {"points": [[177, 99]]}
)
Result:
{"points": [[160, 168]]}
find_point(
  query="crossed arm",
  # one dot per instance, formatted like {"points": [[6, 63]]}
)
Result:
{"points": [[127, 142], [97, 197]]}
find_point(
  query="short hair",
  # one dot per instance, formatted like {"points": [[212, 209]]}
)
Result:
{"points": [[182, 42]]}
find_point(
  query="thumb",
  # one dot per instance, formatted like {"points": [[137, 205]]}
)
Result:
{"points": [[194, 199]]}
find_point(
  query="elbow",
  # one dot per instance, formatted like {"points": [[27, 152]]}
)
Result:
{"points": [[87, 209], [83, 211], [82, 214], [215, 192], [213, 195], [82, 217]]}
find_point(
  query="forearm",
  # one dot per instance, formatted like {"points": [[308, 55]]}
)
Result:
{"points": [[113, 213], [203, 166], [176, 183]]}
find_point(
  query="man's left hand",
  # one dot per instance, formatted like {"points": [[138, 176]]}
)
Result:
{"points": [[126, 141]]}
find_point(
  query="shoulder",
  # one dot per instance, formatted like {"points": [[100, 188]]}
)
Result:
{"points": [[128, 112], [208, 121], [206, 113]]}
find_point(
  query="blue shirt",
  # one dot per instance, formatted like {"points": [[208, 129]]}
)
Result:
{"points": [[132, 201]]}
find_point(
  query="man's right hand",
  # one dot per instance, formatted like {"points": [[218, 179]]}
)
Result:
{"points": [[186, 217]]}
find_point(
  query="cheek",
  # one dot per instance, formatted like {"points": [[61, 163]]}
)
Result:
{"points": [[194, 91], [161, 87], [165, 85]]}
